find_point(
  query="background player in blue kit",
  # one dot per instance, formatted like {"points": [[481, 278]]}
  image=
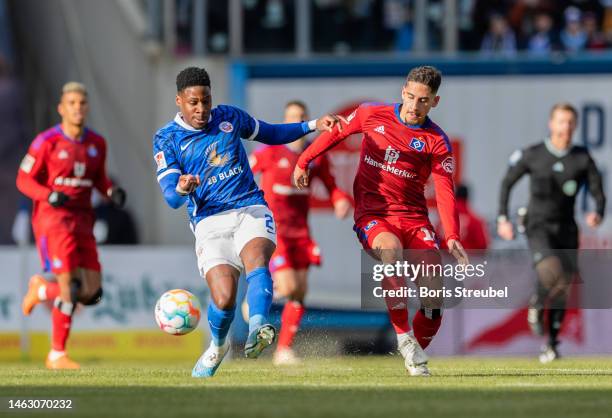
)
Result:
{"points": [[201, 160]]}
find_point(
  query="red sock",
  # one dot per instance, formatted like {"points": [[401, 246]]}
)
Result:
{"points": [[397, 307], [425, 328], [52, 290], [60, 329], [290, 322]]}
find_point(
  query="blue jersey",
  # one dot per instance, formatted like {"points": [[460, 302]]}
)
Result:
{"points": [[217, 155]]}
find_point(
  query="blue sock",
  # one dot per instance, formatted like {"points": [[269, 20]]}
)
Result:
{"points": [[219, 322], [259, 297]]}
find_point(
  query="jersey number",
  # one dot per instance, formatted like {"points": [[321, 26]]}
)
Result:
{"points": [[269, 224], [429, 236]]}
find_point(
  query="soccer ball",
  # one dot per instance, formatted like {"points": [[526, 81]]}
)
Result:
{"points": [[177, 312]]}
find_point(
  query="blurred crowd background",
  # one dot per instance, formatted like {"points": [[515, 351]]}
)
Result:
{"points": [[379, 26]]}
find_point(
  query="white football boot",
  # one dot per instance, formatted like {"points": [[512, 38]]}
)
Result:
{"points": [[210, 361], [415, 358], [549, 354]]}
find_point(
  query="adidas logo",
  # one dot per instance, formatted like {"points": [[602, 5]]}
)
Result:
{"points": [[380, 129]]}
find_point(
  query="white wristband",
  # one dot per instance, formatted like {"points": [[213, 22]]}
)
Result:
{"points": [[312, 125], [180, 191]]}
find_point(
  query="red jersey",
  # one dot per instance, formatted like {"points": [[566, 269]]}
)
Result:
{"points": [[289, 204], [55, 162], [473, 232], [396, 161]]}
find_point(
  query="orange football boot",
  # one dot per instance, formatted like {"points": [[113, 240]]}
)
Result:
{"points": [[31, 299], [62, 363]]}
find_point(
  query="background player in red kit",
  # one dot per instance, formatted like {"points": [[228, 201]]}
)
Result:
{"points": [[62, 165], [401, 148], [295, 249]]}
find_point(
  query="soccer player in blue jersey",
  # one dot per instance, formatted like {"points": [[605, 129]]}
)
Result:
{"points": [[202, 162]]}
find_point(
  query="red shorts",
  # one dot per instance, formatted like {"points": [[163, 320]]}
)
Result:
{"points": [[295, 253], [69, 245], [414, 235]]}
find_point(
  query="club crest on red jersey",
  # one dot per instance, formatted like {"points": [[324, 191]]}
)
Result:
{"points": [[417, 145], [448, 165]]}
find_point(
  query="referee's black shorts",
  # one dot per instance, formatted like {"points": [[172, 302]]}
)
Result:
{"points": [[555, 239]]}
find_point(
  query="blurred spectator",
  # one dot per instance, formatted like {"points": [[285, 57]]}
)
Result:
{"points": [[595, 38], [573, 36], [269, 25], [500, 38], [184, 11], [524, 13], [481, 15], [474, 232], [113, 225], [398, 18], [544, 39]]}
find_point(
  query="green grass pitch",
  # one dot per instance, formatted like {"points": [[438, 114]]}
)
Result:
{"points": [[334, 387]]}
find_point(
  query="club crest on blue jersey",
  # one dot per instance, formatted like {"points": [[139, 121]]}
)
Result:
{"points": [[416, 144], [226, 127]]}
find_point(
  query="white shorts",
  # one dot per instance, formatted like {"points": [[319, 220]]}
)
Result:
{"points": [[220, 238]]}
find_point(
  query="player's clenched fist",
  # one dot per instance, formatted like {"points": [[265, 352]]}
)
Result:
{"points": [[187, 183], [300, 177], [327, 122]]}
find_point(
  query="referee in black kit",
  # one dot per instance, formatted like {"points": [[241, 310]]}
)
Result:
{"points": [[557, 170]]}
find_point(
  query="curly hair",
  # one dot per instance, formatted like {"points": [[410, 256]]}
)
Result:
{"points": [[192, 76]]}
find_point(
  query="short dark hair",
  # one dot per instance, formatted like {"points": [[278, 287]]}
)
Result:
{"points": [[192, 76], [563, 106], [426, 74]]}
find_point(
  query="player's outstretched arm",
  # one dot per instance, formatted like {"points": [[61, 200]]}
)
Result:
{"points": [[325, 141], [170, 188], [284, 133], [30, 169], [517, 169], [456, 250]]}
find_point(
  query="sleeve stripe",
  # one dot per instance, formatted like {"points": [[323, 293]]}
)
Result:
{"points": [[169, 171], [255, 131]]}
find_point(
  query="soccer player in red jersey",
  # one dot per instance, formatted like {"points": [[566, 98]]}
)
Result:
{"points": [[295, 249], [401, 148], [58, 173]]}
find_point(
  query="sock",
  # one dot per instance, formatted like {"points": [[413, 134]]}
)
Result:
{"points": [[219, 322], [259, 297], [556, 313], [290, 322], [48, 292], [538, 300], [426, 323], [396, 307], [54, 354], [61, 319]]}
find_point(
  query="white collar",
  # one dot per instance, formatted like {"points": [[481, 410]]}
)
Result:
{"points": [[178, 119], [559, 153]]}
